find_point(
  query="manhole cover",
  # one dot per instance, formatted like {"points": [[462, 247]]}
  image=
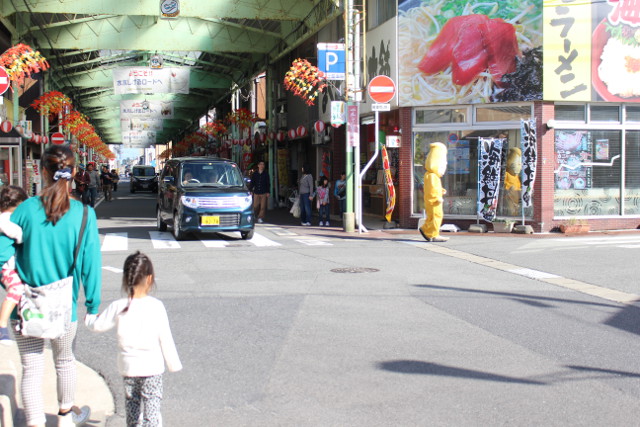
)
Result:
{"points": [[355, 270]]}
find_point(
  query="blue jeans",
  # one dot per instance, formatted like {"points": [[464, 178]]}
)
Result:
{"points": [[305, 208], [92, 196], [324, 213]]}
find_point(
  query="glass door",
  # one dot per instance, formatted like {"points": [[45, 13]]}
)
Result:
{"points": [[10, 165]]}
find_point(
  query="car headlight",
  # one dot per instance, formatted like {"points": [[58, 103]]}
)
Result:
{"points": [[245, 202], [190, 202]]}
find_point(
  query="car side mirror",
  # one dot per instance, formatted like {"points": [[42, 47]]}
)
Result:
{"points": [[247, 180]]}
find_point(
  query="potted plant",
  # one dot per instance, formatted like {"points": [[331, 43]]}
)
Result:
{"points": [[503, 225], [574, 225]]}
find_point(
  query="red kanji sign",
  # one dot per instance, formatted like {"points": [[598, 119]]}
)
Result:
{"points": [[4, 80], [57, 138], [382, 89]]}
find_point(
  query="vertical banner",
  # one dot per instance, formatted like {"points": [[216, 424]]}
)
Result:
{"points": [[529, 159], [353, 125], [489, 164], [391, 191]]}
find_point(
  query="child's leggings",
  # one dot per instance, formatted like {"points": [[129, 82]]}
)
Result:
{"points": [[146, 391], [11, 281]]}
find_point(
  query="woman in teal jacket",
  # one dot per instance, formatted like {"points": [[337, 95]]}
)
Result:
{"points": [[51, 227]]}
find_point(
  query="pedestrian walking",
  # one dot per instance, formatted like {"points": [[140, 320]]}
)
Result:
{"points": [[92, 187], [144, 340], [10, 197], [340, 191], [305, 188], [260, 188], [107, 183], [55, 249], [116, 178], [82, 181], [322, 199]]}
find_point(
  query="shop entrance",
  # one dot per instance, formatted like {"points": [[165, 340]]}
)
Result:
{"points": [[10, 162]]}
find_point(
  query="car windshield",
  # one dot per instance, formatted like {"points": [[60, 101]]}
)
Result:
{"points": [[211, 174], [144, 171]]}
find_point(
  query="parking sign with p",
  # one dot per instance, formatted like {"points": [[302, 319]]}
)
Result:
{"points": [[331, 60]]}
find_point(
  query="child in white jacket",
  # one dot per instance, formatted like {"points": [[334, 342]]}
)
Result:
{"points": [[144, 340]]}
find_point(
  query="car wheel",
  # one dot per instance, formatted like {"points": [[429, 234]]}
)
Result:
{"points": [[161, 225], [178, 234], [247, 235]]}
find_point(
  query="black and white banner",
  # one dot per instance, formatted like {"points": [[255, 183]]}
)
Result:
{"points": [[529, 159], [489, 159]]}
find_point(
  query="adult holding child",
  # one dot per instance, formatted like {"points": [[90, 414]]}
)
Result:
{"points": [[53, 226]]}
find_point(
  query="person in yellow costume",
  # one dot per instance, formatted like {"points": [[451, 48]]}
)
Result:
{"points": [[512, 185], [435, 166]]}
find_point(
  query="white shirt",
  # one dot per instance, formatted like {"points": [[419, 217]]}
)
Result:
{"points": [[144, 336], [11, 230]]}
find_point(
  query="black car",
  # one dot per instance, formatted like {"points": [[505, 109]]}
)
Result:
{"points": [[143, 178], [201, 194]]}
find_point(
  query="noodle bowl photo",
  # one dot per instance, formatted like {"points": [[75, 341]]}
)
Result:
{"points": [[461, 52]]}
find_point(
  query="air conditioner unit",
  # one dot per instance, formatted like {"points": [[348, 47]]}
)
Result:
{"points": [[320, 138]]}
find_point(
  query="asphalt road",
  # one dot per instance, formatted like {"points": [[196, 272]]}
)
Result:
{"points": [[443, 335]]}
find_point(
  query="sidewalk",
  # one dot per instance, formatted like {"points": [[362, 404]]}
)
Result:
{"points": [[91, 390]]}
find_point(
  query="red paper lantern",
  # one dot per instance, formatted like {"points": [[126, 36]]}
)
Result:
{"points": [[301, 131], [292, 134], [272, 136], [280, 136], [319, 126], [36, 138], [6, 126], [45, 139]]}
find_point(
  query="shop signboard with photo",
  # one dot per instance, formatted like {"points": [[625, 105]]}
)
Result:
{"points": [[465, 52], [141, 80], [146, 109], [573, 150], [591, 51]]}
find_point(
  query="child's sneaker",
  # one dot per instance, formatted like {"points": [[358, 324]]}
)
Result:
{"points": [[326, 224], [321, 224], [5, 338], [82, 416]]}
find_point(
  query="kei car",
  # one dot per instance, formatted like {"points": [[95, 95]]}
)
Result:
{"points": [[205, 195], [143, 178]]}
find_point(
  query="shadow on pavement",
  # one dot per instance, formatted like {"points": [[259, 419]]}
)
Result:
{"points": [[427, 368]]}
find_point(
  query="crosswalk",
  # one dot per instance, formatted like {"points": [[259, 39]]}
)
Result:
{"points": [[562, 244], [158, 240]]}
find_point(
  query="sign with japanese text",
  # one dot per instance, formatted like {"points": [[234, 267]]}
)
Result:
{"points": [[331, 60], [141, 124], [138, 139], [353, 125], [146, 109], [567, 50], [141, 80]]}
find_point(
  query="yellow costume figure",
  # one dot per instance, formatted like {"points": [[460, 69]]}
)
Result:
{"points": [[512, 185], [435, 166]]}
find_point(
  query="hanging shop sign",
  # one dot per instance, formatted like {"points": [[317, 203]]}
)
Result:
{"points": [[130, 109], [140, 80], [338, 116], [156, 61], [169, 9], [331, 60], [489, 166], [136, 138], [492, 54], [353, 128]]}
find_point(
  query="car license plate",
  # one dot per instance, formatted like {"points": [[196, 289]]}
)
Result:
{"points": [[210, 220]]}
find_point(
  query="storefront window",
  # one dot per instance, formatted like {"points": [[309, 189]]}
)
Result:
{"points": [[493, 113], [587, 172], [573, 113], [445, 115], [632, 113], [605, 113], [461, 178], [632, 173]]}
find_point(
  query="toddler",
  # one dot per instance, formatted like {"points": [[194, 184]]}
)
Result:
{"points": [[322, 193], [144, 340], [10, 197]]}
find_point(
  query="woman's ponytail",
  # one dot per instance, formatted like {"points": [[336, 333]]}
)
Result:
{"points": [[58, 161]]}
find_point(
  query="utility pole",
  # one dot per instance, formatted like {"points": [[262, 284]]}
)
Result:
{"points": [[354, 45]]}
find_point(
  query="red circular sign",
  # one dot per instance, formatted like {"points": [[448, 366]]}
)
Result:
{"points": [[6, 126], [4, 80], [382, 89], [57, 138]]}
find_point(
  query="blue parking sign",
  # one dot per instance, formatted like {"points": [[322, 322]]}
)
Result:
{"points": [[331, 60]]}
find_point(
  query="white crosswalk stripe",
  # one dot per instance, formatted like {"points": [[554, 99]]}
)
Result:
{"points": [[314, 242], [163, 240], [115, 242], [260, 240]]}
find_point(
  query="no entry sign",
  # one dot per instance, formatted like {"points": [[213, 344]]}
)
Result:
{"points": [[382, 89], [57, 138], [4, 80]]}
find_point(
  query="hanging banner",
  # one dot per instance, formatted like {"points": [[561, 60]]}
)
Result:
{"points": [[141, 124], [391, 191], [529, 158], [489, 164], [138, 139], [141, 80], [146, 109]]}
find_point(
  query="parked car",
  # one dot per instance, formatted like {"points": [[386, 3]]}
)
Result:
{"points": [[143, 178], [202, 194]]}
